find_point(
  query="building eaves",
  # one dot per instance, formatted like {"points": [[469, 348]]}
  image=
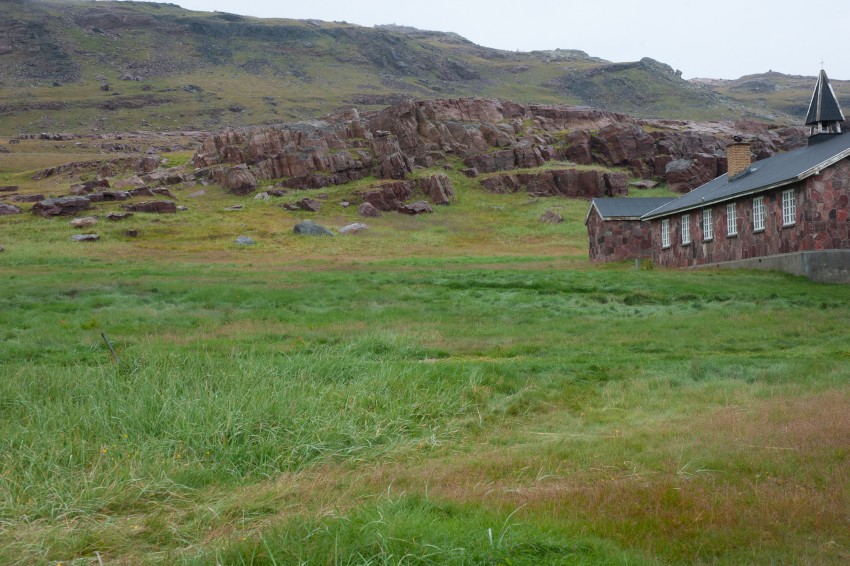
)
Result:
{"points": [[765, 175]]}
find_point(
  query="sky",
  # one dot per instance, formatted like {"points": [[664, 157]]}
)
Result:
{"points": [[719, 39]]}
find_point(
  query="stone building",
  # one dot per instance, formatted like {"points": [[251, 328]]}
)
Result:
{"points": [[786, 212], [614, 229]]}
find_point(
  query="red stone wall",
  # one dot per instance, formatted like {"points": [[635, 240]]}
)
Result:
{"points": [[822, 213], [617, 240]]}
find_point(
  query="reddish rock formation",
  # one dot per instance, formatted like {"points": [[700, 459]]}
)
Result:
{"points": [[489, 135], [560, 182], [63, 206]]}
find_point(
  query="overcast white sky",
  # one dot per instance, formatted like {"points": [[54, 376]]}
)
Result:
{"points": [[715, 39]]}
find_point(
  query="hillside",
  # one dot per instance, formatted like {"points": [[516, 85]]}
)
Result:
{"points": [[85, 66]]}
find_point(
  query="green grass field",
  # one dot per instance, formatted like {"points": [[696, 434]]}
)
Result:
{"points": [[455, 388]]}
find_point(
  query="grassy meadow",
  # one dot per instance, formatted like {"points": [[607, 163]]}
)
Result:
{"points": [[456, 388]]}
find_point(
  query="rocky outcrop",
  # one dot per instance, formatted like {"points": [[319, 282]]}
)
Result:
{"points": [[561, 182], [392, 196], [62, 206], [488, 135]]}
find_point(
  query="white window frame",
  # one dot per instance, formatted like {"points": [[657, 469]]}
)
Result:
{"points": [[686, 229], [732, 219], [665, 233], [707, 226], [789, 208], [758, 214]]}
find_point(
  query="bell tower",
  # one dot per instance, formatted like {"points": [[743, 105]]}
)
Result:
{"points": [[824, 115]]}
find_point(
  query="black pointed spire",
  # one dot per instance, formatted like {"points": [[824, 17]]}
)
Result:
{"points": [[824, 114]]}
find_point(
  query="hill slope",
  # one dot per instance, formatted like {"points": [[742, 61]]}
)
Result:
{"points": [[82, 66]]}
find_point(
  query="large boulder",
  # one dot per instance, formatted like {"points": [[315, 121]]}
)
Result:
{"points": [[8, 209], [310, 228], [62, 206], [239, 180], [368, 210]]}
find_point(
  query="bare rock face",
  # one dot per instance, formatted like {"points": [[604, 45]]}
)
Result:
{"points": [[239, 180], [390, 196], [154, 206], [62, 206], [489, 135], [683, 175], [438, 188], [561, 182], [8, 209]]}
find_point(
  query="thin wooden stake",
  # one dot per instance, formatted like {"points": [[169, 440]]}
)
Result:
{"points": [[108, 345]]}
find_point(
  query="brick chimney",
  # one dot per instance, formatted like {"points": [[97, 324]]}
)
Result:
{"points": [[737, 158]]}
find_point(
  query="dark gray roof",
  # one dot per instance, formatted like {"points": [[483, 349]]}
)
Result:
{"points": [[626, 208], [781, 169], [824, 106]]}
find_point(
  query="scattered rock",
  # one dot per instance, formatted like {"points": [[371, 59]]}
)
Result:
{"points": [[310, 205], [26, 198], [470, 172], [245, 241], [197, 194], [83, 222], [262, 196], [290, 207], [1, 249], [62, 206], [368, 210], [345, 204], [551, 217], [116, 216], [418, 207], [131, 233], [8, 188], [277, 192], [182, 208], [90, 186], [353, 228], [8, 209], [234, 207], [153, 206], [85, 237], [310, 228]]}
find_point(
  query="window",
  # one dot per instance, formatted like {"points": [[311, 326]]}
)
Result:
{"points": [[731, 219], [665, 233], [686, 229], [707, 228], [789, 208], [758, 214]]}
